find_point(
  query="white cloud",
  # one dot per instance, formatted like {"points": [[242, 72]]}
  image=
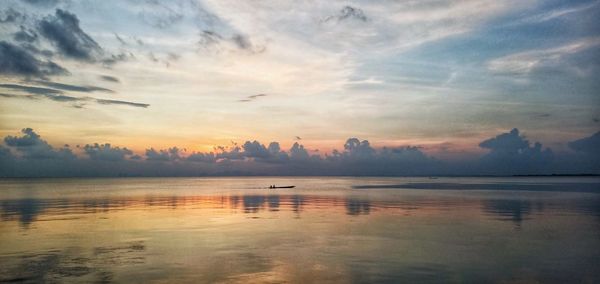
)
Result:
{"points": [[523, 63]]}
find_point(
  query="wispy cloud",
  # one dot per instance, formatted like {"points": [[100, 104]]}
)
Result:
{"points": [[252, 98], [59, 96], [74, 88], [523, 63], [118, 102]]}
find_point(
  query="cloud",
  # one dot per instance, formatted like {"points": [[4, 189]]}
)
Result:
{"points": [[588, 145], [10, 15], [201, 157], [523, 63], [118, 102], [358, 149], [42, 2], [16, 96], [255, 150], [298, 153], [171, 154], [31, 146], [25, 35], [74, 88], [161, 15], [31, 89], [110, 79], [348, 13], [512, 153], [57, 95], [506, 142], [63, 31], [252, 98], [15, 60], [106, 152], [555, 14], [509, 153]]}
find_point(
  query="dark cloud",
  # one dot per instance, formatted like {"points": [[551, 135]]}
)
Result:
{"points": [[506, 142], [110, 79], [63, 31], [14, 96], [358, 149], [25, 35], [171, 154], [509, 153], [31, 146], [106, 152], [348, 13], [58, 96], [74, 88], [588, 145], [31, 89], [118, 102], [51, 94], [201, 157], [255, 150], [42, 2], [234, 153], [15, 60], [298, 153], [63, 98], [512, 153]]}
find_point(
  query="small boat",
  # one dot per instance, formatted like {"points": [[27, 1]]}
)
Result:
{"points": [[287, 186]]}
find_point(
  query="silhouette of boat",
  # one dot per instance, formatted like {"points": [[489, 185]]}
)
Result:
{"points": [[286, 186]]}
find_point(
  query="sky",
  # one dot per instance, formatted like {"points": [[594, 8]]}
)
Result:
{"points": [[426, 84]]}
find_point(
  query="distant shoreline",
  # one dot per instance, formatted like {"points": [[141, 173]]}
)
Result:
{"points": [[309, 176]]}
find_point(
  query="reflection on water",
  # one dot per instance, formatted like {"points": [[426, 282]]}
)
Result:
{"points": [[515, 210], [325, 230]]}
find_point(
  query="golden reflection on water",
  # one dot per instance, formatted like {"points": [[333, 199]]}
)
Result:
{"points": [[233, 230]]}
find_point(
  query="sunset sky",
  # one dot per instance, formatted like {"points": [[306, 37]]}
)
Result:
{"points": [[442, 75]]}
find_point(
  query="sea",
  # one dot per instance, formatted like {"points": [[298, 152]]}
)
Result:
{"points": [[324, 230]]}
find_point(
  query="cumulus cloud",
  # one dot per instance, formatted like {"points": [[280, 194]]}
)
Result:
{"points": [[10, 15], [25, 35], [106, 152], [31, 146], [509, 153], [298, 153], [171, 154], [17, 61], [63, 31], [588, 145], [512, 153], [201, 157]]}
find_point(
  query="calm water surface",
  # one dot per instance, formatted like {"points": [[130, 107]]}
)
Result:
{"points": [[342, 230]]}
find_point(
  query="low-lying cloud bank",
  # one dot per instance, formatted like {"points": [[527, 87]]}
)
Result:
{"points": [[28, 155]]}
